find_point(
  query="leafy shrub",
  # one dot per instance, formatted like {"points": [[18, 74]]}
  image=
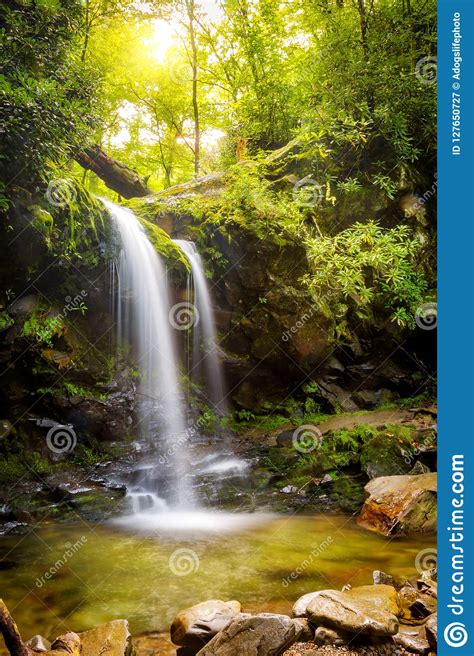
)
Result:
{"points": [[366, 268]]}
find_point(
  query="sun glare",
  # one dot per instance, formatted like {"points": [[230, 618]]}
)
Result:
{"points": [[163, 36]]}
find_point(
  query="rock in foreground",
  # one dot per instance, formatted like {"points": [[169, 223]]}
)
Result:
{"points": [[260, 635], [112, 638], [399, 505], [195, 626], [338, 610]]}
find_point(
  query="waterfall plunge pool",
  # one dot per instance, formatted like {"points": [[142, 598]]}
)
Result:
{"points": [[75, 576]]}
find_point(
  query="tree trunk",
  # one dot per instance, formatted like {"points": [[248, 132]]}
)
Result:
{"points": [[117, 176], [190, 6]]}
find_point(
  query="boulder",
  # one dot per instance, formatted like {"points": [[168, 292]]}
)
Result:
{"points": [[381, 578], [384, 597], [301, 604], [382, 456], [260, 635], [195, 626], [431, 628], [69, 643], [423, 606], [307, 631], [339, 610], [399, 505], [112, 638], [428, 582], [38, 643], [412, 641]]}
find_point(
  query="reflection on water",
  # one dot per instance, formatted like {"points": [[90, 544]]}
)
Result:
{"points": [[76, 576]]}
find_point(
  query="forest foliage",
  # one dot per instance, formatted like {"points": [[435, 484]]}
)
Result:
{"points": [[181, 88]]}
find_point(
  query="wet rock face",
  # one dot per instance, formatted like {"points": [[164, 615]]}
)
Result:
{"points": [[382, 596], [273, 329], [399, 505], [339, 610], [260, 635]]}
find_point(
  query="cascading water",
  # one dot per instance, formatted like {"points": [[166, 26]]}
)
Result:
{"points": [[143, 308], [205, 348], [143, 320]]}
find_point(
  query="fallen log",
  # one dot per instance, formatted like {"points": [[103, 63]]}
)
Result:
{"points": [[11, 634], [117, 176]]}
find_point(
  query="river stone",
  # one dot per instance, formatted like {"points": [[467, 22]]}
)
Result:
{"points": [[384, 597], [333, 637], [195, 626], [412, 642], [341, 611], [399, 505], [301, 604], [260, 635], [307, 631], [38, 643], [112, 638], [381, 578], [431, 628]]}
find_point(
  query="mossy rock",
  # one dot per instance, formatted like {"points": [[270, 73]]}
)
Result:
{"points": [[42, 221], [165, 246], [348, 493], [382, 456]]}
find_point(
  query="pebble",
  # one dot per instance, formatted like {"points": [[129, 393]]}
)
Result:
{"points": [[310, 649]]}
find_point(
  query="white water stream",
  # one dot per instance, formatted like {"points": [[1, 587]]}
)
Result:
{"points": [[205, 347], [143, 307]]}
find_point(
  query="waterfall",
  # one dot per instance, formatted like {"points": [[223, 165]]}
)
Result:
{"points": [[143, 308], [205, 348]]}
